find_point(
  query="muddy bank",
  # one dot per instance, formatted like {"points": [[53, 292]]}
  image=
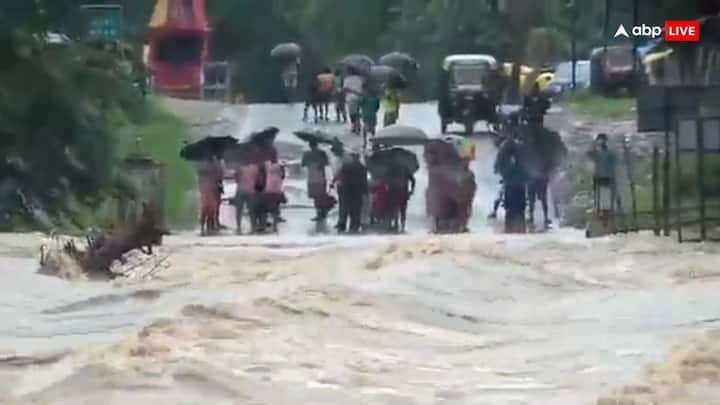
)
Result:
{"points": [[572, 189]]}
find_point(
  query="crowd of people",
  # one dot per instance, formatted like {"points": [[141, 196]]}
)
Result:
{"points": [[259, 178], [377, 198], [368, 199], [355, 98], [530, 155], [371, 195]]}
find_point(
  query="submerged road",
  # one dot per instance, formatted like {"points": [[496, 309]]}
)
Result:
{"points": [[483, 318]]}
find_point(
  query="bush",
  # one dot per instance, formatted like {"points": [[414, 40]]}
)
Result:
{"points": [[598, 107], [161, 134]]}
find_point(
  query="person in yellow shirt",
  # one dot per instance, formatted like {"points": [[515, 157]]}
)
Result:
{"points": [[467, 151], [391, 105]]}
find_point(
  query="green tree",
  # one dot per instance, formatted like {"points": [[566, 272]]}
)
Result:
{"points": [[55, 102]]}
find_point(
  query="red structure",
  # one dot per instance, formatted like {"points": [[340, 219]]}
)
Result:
{"points": [[178, 42]]}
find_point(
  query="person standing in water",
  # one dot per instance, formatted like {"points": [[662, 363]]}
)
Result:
{"points": [[605, 161], [246, 178], [210, 176], [315, 161], [515, 179], [273, 195], [353, 176]]}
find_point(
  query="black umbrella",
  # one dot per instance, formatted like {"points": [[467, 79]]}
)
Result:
{"points": [[263, 136], [395, 156], [439, 151], [400, 135], [315, 136], [359, 62], [286, 50], [400, 61], [207, 147], [382, 75]]}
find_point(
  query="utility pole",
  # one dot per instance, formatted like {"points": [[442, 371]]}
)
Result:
{"points": [[636, 59], [572, 5], [606, 30]]}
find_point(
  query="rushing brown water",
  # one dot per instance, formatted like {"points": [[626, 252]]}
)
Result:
{"points": [[483, 318]]}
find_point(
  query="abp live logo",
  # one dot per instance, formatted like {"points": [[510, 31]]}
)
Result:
{"points": [[674, 31], [682, 31]]}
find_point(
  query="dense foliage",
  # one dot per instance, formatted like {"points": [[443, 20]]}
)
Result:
{"points": [[56, 143]]}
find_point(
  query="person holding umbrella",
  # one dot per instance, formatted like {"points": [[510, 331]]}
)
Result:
{"points": [[370, 105], [289, 55], [339, 96], [210, 176], [401, 185], [353, 88], [353, 177], [290, 74], [315, 161]]}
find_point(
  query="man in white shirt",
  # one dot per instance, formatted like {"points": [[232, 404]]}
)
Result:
{"points": [[353, 87]]}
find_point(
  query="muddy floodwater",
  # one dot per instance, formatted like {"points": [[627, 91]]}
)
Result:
{"points": [[299, 318]]}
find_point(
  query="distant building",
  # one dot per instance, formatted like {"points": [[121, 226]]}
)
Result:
{"points": [[178, 45]]}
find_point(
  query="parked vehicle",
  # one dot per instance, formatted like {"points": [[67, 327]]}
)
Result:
{"points": [[470, 90], [562, 81], [613, 69]]}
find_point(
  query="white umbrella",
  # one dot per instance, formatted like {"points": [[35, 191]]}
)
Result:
{"points": [[400, 135]]}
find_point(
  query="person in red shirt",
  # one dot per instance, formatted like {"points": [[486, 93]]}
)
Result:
{"points": [[380, 196]]}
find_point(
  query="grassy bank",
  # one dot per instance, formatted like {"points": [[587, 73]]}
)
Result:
{"points": [[599, 107], [160, 134]]}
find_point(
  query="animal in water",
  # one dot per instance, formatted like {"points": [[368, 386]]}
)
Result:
{"points": [[102, 249]]}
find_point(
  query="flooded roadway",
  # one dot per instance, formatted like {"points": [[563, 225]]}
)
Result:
{"points": [[483, 318]]}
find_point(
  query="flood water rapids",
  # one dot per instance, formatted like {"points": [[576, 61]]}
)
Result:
{"points": [[482, 318]]}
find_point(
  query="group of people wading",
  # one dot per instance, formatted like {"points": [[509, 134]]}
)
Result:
{"points": [[371, 196], [528, 157], [259, 177]]}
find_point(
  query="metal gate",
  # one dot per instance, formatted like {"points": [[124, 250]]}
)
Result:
{"points": [[696, 200]]}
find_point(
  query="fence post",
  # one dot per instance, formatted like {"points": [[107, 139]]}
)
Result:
{"points": [[701, 178], [631, 181], [676, 189], [666, 167], [655, 191]]}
